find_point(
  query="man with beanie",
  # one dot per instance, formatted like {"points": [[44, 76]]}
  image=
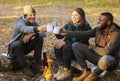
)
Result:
{"points": [[27, 36], [104, 53]]}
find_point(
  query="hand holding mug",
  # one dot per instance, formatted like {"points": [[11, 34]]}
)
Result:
{"points": [[63, 31], [42, 28]]}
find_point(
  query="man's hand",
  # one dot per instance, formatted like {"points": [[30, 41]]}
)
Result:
{"points": [[27, 37], [63, 31], [59, 44], [90, 47], [42, 28]]}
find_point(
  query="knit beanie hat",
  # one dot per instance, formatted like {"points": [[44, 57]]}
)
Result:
{"points": [[28, 9]]}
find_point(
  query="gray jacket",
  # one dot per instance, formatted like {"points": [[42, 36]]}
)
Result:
{"points": [[21, 28]]}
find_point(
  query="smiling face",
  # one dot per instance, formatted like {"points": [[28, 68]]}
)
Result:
{"points": [[30, 18], [103, 22], [75, 17]]}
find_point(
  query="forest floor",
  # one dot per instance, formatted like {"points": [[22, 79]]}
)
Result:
{"points": [[44, 16]]}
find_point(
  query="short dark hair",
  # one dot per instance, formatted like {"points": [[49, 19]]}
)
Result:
{"points": [[108, 15]]}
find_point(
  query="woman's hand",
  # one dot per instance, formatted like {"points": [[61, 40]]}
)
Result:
{"points": [[59, 44]]}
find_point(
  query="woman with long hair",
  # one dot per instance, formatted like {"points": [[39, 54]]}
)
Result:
{"points": [[63, 49]]}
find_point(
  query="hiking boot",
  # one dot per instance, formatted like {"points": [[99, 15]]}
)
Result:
{"points": [[60, 70], [85, 73], [36, 67], [27, 71], [65, 74], [92, 77]]}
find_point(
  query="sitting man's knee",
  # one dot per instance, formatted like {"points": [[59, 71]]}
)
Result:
{"points": [[16, 44], [39, 39], [106, 61], [75, 45]]}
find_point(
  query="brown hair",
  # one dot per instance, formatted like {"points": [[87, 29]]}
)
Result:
{"points": [[82, 14]]}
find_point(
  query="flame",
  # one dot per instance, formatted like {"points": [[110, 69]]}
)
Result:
{"points": [[47, 70]]}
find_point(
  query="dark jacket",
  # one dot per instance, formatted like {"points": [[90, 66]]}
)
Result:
{"points": [[69, 39]]}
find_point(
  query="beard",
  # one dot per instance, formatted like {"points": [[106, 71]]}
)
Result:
{"points": [[103, 27]]}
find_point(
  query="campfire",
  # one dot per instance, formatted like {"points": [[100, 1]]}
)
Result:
{"points": [[47, 74]]}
